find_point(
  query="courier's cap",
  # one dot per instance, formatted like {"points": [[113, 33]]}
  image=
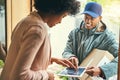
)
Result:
{"points": [[93, 9]]}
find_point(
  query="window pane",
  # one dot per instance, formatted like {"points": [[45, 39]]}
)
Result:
{"points": [[2, 21]]}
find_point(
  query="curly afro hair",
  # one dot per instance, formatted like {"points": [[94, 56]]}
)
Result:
{"points": [[57, 6]]}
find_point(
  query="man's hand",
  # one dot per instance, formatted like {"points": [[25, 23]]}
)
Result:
{"points": [[93, 71]]}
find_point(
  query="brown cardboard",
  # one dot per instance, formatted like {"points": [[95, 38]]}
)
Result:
{"points": [[95, 58]]}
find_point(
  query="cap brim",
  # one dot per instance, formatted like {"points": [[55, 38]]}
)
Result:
{"points": [[90, 13]]}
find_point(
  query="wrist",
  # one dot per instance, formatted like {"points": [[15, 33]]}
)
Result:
{"points": [[54, 60], [102, 73]]}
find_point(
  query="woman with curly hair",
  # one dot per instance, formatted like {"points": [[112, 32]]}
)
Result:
{"points": [[30, 51]]}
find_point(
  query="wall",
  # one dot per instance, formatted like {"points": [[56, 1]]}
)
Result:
{"points": [[16, 10]]}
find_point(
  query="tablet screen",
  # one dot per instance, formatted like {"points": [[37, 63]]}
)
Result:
{"points": [[72, 72]]}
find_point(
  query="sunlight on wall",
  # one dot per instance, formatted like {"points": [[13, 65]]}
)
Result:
{"points": [[111, 16]]}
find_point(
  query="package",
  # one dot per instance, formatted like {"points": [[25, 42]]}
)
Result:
{"points": [[95, 58]]}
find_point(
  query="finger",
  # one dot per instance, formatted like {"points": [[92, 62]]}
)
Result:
{"points": [[91, 67], [89, 72], [63, 63], [70, 60], [69, 63], [75, 62], [51, 76]]}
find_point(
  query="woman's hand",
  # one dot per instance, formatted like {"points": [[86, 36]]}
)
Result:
{"points": [[51, 76], [64, 62], [74, 61]]}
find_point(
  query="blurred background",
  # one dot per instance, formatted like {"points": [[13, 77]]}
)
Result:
{"points": [[2, 21], [111, 16], [59, 34]]}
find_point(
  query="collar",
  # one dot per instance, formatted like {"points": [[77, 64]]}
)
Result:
{"points": [[100, 28]]}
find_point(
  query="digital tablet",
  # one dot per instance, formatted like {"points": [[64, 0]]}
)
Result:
{"points": [[70, 72]]}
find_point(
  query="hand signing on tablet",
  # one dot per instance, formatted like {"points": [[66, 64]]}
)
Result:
{"points": [[64, 62], [74, 61]]}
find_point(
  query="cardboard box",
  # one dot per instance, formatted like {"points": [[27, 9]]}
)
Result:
{"points": [[96, 58]]}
